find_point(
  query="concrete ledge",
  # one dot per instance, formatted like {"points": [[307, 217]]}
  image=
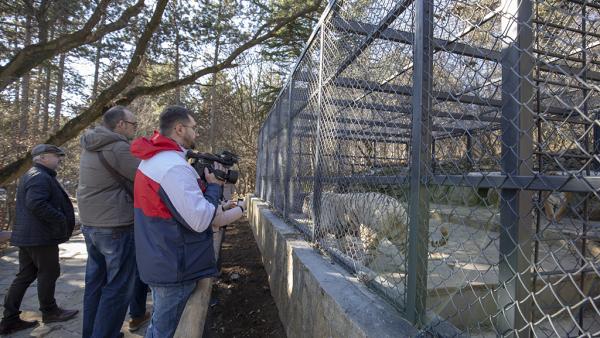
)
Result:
{"points": [[316, 298]]}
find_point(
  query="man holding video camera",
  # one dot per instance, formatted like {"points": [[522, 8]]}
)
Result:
{"points": [[174, 218]]}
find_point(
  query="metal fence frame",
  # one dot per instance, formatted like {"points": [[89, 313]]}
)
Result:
{"points": [[517, 180]]}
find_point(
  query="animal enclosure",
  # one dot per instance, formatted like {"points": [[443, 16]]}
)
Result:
{"points": [[447, 152]]}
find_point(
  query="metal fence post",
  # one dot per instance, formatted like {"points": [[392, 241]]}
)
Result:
{"points": [[420, 162], [515, 206], [596, 141], [276, 199], [318, 162], [433, 155], [288, 165], [259, 164], [263, 173], [267, 131]]}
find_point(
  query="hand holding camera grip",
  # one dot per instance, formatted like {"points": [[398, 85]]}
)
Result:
{"points": [[211, 178]]}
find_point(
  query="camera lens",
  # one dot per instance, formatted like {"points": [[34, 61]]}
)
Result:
{"points": [[232, 176]]}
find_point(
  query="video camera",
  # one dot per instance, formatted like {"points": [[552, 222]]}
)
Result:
{"points": [[206, 160]]}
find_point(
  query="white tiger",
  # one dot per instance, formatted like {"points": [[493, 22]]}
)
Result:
{"points": [[370, 216]]}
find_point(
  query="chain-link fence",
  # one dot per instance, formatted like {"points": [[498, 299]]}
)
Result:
{"points": [[447, 152]]}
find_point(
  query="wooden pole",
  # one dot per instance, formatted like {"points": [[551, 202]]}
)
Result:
{"points": [[191, 324]]}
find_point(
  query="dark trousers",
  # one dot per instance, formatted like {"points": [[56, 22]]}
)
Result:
{"points": [[109, 280], [39, 262], [137, 307]]}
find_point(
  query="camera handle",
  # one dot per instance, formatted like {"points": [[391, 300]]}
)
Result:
{"points": [[219, 174]]}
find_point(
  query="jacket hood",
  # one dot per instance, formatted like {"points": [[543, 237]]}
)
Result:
{"points": [[99, 137], [144, 148]]}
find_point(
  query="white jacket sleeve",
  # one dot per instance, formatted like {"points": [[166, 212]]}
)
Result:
{"points": [[181, 187], [226, 217]]}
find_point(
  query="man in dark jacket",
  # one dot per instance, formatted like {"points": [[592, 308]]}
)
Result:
{"points": [[106, 174], [44, 219]]}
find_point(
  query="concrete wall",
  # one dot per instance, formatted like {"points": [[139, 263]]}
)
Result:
{"points": [[315, 297]]}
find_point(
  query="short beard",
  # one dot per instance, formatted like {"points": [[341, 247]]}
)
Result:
{"points": [[190, 143]]}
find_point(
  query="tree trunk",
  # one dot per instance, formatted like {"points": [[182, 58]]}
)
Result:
{"points": [[35, 117], [212, 114], [212, 122], [177, 41], [24, 120], [46, 107], [177, 62], [59, 90], [97, 65], [42, 18], [17, 110], [96, 70]]}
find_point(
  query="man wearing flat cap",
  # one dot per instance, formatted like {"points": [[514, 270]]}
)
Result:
{"points": [[44, 219]]}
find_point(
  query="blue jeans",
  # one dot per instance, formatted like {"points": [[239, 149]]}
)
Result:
{"points": [[169, 302], [109, 279], [137, 307]]}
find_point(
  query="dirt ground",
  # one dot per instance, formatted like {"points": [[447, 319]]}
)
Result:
{"points": [[245, 307]]}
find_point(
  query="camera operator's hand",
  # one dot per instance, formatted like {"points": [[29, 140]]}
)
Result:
{"points": [[228, 205], [242, 205], [211, 178]]}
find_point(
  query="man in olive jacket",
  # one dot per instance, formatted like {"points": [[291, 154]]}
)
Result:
{"points": [[44, 219], [106, 212]]}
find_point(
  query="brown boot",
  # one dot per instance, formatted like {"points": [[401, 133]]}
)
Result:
{"points": [[16, 325], [136, 323], [59, 315]]}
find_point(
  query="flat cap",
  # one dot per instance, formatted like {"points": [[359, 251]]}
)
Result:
{"points": [[46, 149]]}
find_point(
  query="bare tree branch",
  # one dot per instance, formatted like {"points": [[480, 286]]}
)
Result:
{"points": [[107, 98], [101, 104], [278, 24], [31, 56]]}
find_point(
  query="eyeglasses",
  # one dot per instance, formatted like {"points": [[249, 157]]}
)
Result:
{"points": [[134, 124], [193, 127]]}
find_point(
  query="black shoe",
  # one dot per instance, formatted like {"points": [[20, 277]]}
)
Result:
{"points": [[136, 323], [17, 325], [59, 315]]}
